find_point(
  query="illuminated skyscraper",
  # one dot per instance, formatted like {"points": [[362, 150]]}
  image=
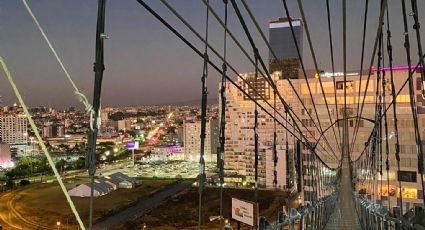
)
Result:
{"points": [[192, 143], [239, 149], [283, 45]]}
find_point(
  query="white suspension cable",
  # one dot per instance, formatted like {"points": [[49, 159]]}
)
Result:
{"points": [[81, 97], [40, 140]]}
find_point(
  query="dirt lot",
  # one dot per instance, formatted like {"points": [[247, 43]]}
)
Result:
{"points": [[45, 204], [181, 210]]}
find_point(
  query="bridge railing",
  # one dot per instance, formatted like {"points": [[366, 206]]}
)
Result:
{"points": [[376, 216], [310, 216]]}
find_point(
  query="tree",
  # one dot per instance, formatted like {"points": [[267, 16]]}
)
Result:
{"points": [[11, 174], [43, 166], [80, 163], [60, 165], [23, 183], [10, 184]]}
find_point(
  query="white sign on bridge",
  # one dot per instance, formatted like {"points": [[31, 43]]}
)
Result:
{"points": [[245, 211]]}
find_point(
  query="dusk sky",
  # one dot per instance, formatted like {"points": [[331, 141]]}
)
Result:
{"points": [[147, 64]]}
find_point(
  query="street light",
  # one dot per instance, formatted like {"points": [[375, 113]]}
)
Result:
{"points": [[25, 134], [58, 223]]}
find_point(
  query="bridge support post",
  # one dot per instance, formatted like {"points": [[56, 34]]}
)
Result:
{"points": [[281, 218], [369, 220], [386, 225], [319, 218], [380, 221], [312, 219], [302, 222], [362, 216], [419, 216], [374, 218], [397, 214], [262, 225], [307, 221]]}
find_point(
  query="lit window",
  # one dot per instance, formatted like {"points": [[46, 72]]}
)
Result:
{"points": [[304, 88]]}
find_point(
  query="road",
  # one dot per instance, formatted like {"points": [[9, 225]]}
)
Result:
{"points": [[142, 206]]}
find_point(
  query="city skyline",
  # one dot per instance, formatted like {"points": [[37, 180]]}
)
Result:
{"points": [[323, 131], [131, 64]]}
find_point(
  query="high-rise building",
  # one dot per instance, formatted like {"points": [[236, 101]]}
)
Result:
{"points": [[124, 125], [51, 129], [192, 142], [239, 149], [256, 88], [408, 174], [283, 45], [14, 129], [180, 134], [104, 116]]}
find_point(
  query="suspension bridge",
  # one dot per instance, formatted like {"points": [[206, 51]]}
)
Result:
{"points": [[344, 184]]}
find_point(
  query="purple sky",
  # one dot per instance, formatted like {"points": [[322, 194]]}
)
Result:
{"points": [[145, 63]]}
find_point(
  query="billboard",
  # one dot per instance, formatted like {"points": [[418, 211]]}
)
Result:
{"points": [[133, 145], [245, 211], [410, 193], [407, 176]]}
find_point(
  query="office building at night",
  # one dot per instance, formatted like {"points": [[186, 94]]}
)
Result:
{"points": [[192, 141], [283, 45], [239, 149]]}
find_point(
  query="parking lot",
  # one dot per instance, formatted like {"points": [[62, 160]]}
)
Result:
{"points": [[167, 169]]}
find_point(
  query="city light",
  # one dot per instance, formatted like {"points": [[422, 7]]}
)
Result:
{"points": [[296, 142]]}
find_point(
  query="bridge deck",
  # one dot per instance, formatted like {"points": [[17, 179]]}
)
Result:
{"points": [[345, 215]]}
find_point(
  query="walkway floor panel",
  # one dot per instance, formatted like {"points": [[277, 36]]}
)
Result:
{"points": [[344, 216]]}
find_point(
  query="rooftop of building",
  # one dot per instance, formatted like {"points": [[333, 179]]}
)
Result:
{"points": [[281, 20]]}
